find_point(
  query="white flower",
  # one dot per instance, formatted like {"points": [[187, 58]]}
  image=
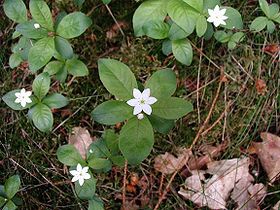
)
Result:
{"points": [[90, 151], [142, 101], [23, 97], [36, 25], [140, 116], [217, 16], [80, 174]]}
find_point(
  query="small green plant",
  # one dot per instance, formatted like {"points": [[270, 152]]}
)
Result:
{"points": [[8, 198], [268, 21], [39, 104], [153, 108]]}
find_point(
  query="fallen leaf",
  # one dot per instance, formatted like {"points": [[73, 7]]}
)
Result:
{"points": [[261, 87], [277, 206], [81, 139], [272, 48], [268, 152], [114, 30], [168, 163]]}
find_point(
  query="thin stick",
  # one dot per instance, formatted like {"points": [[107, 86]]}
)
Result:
{"points": [[124, 186], [198, 84], [110, 12]]}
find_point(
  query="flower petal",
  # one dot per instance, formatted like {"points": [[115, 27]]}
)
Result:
{"points": [[210, 12], [222, 22], [23, 103], [137, 110], [133, 102], [28, 93], [147, 109], [18, 100], [22, 91], [28, 100], [151, 100], [223, 12], [81, 181], [18, 94], [79, 167], [86, 176], [136, 93], [73, 172], [75, 178], [217, 9], [85, 169], [146, 93], [224, 18], [211, 19]]}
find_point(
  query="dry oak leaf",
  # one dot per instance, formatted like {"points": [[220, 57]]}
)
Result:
{"points": [[215, 191], [268, 152], [81, 139], [168, 163]]}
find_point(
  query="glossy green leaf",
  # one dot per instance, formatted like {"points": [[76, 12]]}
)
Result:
{"points": [[98, 149], [11, 186], [2, 201], [222, 36], [41, 53], [95, 204], [28, 30], [76, 67], [68, 155], [100, 164], [53, 67], [156, 29], [15, 10], [63, 47], [162, 83], [195, 4], [234, 20], [112, 112], [259, 24], [176, 32], [201, 25], [41, 13], [112, 141], [182, 51], [117, 78], [118, 160], [14, 60], [55, 101], [87, 191], [136, 140], [209, 32], [79, 3], [73, 25], [41, 85], [161, 125], [22, 47], [61, 75], [42, 117], [171, 108], [265, 7], [270, 27], [152, 10], [273, 10], [106, 1], [237, 37], [166, 47], [210, 4], [9, 206]]}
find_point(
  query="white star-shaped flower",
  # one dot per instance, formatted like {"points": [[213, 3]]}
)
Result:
{"points": [[217, 16], [36, 25], [23, 97], [80, 174], [142, 101]]}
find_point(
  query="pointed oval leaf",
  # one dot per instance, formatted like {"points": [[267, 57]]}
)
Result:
{"points": [[259, 24], [28, 30], [117, 78], [172, 108], [201, 26], [264, 7], [41, 53], [15, 10], [63, 47], [112, 112], [166, 47], [96, 203], [76, 67], [53, 67], [176, 32], [234, 20], [14, 60], [100, 164], [10, 206], [156, 29], [161, 125], [41, 13], [195, 4], [162, 83], [55, 101], [12, 186], [41, 85], [42, 117], [68, 155], [87, 190], [182, 51], [136, 140], [22, 47], [73, 25]]}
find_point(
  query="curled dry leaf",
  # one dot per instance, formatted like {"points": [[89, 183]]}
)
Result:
{"points": [[168, 163], [268, 152], [261, 87], [81, 139], [227, 176]]}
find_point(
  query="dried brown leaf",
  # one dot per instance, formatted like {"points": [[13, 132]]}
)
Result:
{"points": [[277, 206], [81, 139], [261, 87]]}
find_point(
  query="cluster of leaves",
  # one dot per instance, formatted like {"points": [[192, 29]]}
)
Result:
{"points": [[137, 136], [39, 40], [8, 198]]}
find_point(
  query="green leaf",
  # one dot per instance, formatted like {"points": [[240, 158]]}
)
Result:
{"points": [[270, 27], [16, 34], [117, 78], [2, 201], [265, 7], [176, 32], [68, 155], [41, 85], [222, 36], [118, 160], [12, 186], [210, 4], [76, 67], [182, 51], [53, 67], [234, 20], [95, 204], [162, 83], [259, 24], [237, 37], [41, 13], [14, 60], [195, 4], [273, 10], [112, 112], [22, 47], [15, 10], [136, 140], [153, 10], [79, 3], [161, 125], [166, 47], [106, 1], [63, 47], [182, 14], [61, 75], [9, 98], [100, 164], [98, 149], [209, 32], [42, 117], [112, 141], [172, 108], [9, 206], [73, 25], [55, 101], [201, 26], [231, 45], [28, 30], [41, 53], [87, 191], [156, 29]]}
